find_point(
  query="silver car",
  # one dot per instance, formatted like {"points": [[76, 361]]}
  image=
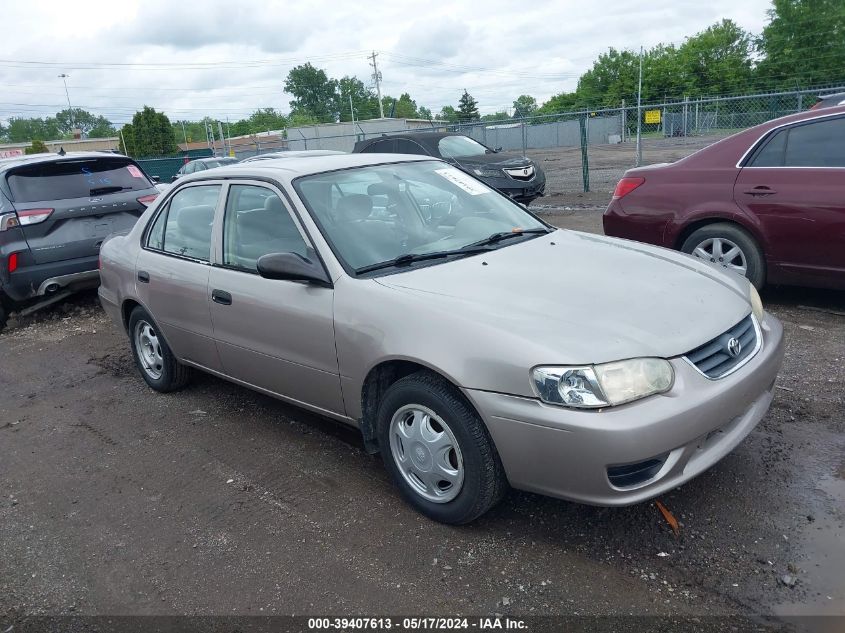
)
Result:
{"points": [[473, 345]]}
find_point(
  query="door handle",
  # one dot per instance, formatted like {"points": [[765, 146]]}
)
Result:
{"points": [[222, 297], [762, 190], [143, 276]]}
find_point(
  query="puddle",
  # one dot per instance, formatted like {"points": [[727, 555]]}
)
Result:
{"points": [[823, 565]]}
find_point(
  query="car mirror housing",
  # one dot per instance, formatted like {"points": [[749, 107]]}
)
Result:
{"points": [[155, 178], [292, 267]]}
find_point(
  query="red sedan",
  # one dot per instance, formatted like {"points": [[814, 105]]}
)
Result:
{"points": [[768, 202]]}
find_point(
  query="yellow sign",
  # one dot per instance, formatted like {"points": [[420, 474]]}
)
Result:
{"points": [[652, 116]]}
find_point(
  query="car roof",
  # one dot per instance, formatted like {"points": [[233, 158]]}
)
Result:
{"points": [[211, 158], [297, 153], [287, 169], [31, 159], [833, 95], [421, 137]]}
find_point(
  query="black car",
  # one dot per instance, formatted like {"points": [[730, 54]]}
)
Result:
{"points": [[201, 164], [516, 176], [55, 211]]}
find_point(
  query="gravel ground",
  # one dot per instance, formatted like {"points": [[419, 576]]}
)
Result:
{"points": [[115, 500]]}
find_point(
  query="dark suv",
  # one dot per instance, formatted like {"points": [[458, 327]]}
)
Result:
{"points": [[515, 176], [55, 211]]}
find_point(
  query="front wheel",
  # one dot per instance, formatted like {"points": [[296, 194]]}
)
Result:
{"points": [[438, 451], [159, 367], [730, 247]]}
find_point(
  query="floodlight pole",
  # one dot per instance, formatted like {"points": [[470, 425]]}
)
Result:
{"points": [[64, 78]]}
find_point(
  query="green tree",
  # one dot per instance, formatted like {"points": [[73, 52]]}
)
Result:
{"points": [[467, 108], [525, 105], [315, 95], [262, 120], [37, 147], [406, 108], [496, 116], [559, 103], [613, 76], [92, 125], [715, 61], [803, 44], [152, 134], [449, 114], [127, 140], [364, 100], [21, 129], [424, 113]]}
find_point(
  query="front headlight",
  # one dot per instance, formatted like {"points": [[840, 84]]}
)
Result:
{"points": [[609, 384], [487, 173], [756, 303]]}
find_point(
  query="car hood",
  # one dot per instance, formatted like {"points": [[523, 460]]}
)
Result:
{"points": [[495, 160], [571, 297]]}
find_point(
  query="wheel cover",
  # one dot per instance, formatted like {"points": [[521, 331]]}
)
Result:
{"points": [[720, 251], [148, 347], [426, 453]]}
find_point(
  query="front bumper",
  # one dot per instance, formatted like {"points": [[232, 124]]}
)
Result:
{"points": [[566, 453], [519, 190]]}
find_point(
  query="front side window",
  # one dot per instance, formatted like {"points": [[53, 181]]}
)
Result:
{"points": [[461, 147], [405, 146], [380, 147], [184, 227], [257, 223], [377, 213]]}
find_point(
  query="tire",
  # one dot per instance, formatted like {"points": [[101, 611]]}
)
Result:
{"points": [[702, 243], [451, 433], [3, 317], [157, 364]]}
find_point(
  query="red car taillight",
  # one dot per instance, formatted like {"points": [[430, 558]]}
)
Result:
{"points": [[33, 216], [148, 200], [13, 262], [626, 186]]}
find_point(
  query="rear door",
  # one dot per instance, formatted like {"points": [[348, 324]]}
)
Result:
{"points": [[66, 207], [171, 272], [795, 184]]}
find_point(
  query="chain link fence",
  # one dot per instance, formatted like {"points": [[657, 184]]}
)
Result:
{"points": [[584, 150]]}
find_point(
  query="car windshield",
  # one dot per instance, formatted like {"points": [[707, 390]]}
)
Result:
{"points": [[461, 146], [220, 162], [376, 214]]}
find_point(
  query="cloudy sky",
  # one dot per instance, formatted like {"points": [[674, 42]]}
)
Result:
{"points": [[225, 59]]}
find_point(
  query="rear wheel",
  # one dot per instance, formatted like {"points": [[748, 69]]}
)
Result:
{"points": [[3, 317], [159, 367], [730, 247], [438, 450]]}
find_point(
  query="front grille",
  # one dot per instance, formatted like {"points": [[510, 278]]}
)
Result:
{"points": [[521, 173], [727, 351], [627, 475]]}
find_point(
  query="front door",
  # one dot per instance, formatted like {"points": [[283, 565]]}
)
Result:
{"points": [[273, 334], [172, 273], [795, 185]]}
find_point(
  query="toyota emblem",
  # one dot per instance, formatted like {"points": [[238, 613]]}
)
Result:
{"points": [[734, 347]]}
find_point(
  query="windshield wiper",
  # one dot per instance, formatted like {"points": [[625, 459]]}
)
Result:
{"points": [[411, 258], [101, 190], [505, 235]]}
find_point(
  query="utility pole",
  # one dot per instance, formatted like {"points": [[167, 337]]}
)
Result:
{"points": [[185, 134], [123, 140], [640, 112], [64, 78], [229, 134], [377, 79], [352, 111]]}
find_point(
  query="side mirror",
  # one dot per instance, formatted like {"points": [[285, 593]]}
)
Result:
{"points": [[174, 178], [292, 267], [497, 150], [155, 178]]}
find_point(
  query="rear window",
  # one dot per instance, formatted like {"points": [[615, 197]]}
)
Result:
{"points": [[81, 178]]}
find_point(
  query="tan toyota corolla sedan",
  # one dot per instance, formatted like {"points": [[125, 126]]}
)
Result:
{"points": [[473, 345]]}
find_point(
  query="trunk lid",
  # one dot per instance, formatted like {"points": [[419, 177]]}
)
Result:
{"points": [[90, 197]]}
